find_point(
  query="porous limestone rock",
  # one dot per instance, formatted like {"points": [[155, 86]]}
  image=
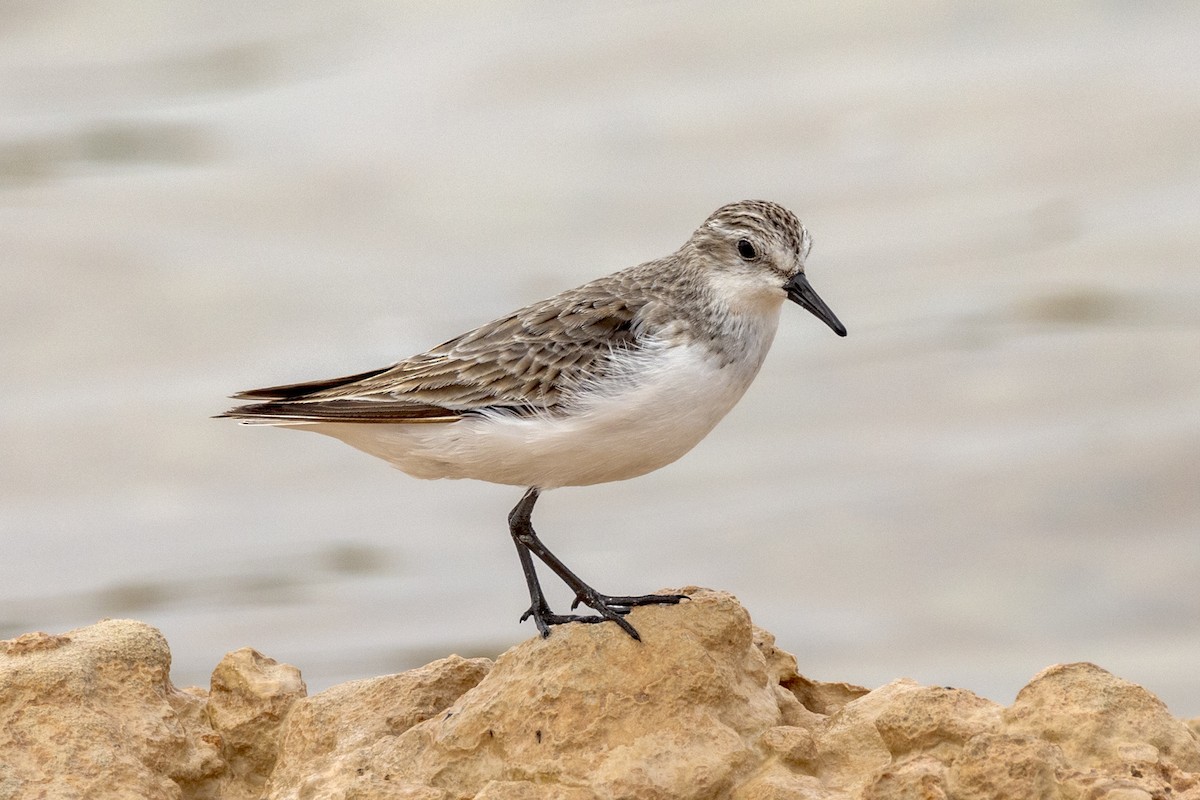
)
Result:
{"points": [[676, 715], [326, 732], [705, 707], [1116, 738], [92, 714], [869, 738], [249, 698], [1100, 720], [996, 765]]}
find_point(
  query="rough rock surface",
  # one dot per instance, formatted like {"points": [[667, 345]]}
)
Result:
{"points": [[705, 707], [92, 714]]}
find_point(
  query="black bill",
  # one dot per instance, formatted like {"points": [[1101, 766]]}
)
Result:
{"points": [[800, 291]]}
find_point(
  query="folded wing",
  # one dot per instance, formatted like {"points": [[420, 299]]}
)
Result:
{"points": [[527, 362]]}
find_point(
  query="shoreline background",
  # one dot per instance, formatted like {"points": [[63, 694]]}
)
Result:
{"points": [[997, 470]]}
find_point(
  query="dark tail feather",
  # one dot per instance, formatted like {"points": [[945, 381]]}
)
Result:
{"points": [[295, 391], [341, 410]]}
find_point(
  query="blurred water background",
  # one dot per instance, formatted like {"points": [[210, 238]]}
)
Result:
{"points": [[997, 470]]}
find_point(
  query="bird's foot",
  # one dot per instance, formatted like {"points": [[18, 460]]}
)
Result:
{"points": [[623, 603], [615, 607], [618, 602], [608, 608], [543, 617]]}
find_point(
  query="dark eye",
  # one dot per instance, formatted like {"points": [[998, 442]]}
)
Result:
{"points": [[746, 250]]}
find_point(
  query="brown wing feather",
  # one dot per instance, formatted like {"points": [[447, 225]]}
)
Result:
{"points": [[529, 360]]}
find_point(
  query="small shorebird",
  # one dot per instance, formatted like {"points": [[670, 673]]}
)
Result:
{"points": [[604, 382]]}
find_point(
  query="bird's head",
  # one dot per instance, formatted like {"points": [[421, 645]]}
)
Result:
{"points": [[755, 251]]}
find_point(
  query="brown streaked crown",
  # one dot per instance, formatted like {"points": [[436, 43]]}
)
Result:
{"points": [[770, 223]]}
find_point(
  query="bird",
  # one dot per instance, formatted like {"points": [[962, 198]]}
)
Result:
{"points": [[604, 382]]}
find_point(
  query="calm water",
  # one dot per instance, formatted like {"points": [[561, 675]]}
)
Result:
{"points": [[997, 470]]}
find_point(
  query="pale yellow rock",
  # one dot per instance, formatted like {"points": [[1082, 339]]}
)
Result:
{"points": [[874, 732], [92, 714], [820, 697], [794, 746], [995, 765], [1124, 793], [371, 788], [677, 715], [802, 702], [1156, 779], [1096, 717], [525, 790], [777, 783], [327, 735], [921, 778], [706, 708], [850, 748], [250, 696], [933, 720]]}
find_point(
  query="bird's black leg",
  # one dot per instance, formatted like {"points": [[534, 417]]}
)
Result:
{"points": [[538, 609], [521, 528], [611, 608]]}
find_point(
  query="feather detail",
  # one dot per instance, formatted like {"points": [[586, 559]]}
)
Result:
{"points": [[531, 360]]}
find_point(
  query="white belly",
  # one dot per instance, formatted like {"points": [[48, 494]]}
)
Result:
{"points": [[671, 398]]}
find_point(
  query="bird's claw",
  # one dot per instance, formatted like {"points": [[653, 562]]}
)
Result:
{"points": [[543, 618], [622, 604]]}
